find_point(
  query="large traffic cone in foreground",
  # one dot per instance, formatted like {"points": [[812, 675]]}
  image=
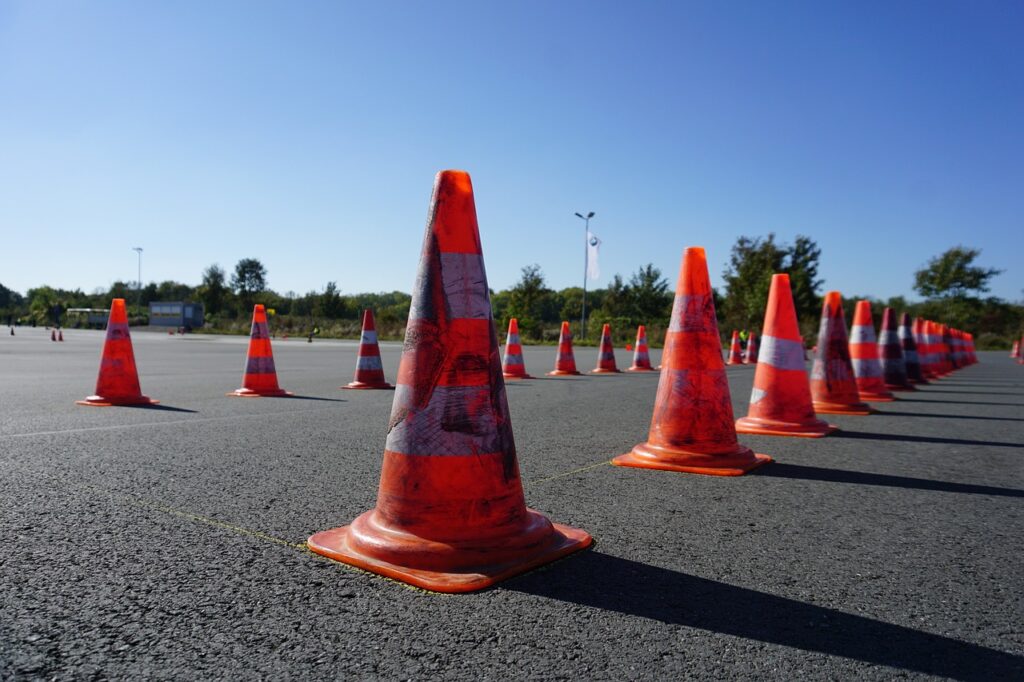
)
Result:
{"points": [[641, 355], [512, 365], [890, 354], [780, 404], [692, 427], [118, 381], [450, 512], [833, 385], [735, 352], [565, 361], [1014, 349], [751, 357], [260, 377], [910, 353], [369, 370], [606, 354], [864, 353]]}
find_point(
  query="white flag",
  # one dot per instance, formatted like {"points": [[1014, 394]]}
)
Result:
{"points": [[593, 245]]}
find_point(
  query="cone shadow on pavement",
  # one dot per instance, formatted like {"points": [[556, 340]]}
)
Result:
{"points": [[692, 426], [450, 513]]}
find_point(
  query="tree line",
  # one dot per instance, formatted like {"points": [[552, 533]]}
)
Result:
{"points": [[950, 284]]}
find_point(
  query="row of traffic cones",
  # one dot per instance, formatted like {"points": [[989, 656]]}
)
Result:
{"points": [[451, 514], [739, 356]]}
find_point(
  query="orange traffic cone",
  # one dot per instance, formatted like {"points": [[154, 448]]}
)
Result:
{"points": [[735, 352], [60, 335], [780, 403], [911, 357], [450, 514], [118, 381], [751, 356], [260, 377], [53, 335], [641, 356], [864, 352], [369, 371], [890, 354], [606, 354], [512, 365], [833, 385], [565, 361], [692, 427]]}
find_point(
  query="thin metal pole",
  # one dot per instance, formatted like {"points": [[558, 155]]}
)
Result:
{"points": [[138, 302], [586, 267]]}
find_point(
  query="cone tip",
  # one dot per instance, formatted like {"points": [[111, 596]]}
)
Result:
{"points": [[457, 179], [834, 299]]}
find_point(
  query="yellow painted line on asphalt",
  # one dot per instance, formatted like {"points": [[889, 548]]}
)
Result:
{"points": [[606, 462]]}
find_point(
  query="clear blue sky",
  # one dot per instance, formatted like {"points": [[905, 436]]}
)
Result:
{"points": [[307, 135]]}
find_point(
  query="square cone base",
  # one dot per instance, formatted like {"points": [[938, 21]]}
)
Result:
{"points": [[359, 385], [601, 370], [249, 393], [769, 427], [699, 464], [563, 373], [513, 377], [640, 369], [877, 397], [333, 544], [100, 401]]}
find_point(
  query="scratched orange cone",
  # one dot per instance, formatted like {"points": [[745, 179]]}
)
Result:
{"points": [[641, 354], [692, 426], [890, 354], [369, 370], [260, 377], [864, 353], [565, 361], [118, 381], [450, 514], [512, 365], [750, 357], [833, 385], [735, 352], [780, 403], [606, 354]]}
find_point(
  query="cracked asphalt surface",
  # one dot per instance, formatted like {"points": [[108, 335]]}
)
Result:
{"points": [[167, 542]]}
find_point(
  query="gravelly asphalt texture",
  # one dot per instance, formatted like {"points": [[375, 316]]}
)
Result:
{"points": [[168, 542]]}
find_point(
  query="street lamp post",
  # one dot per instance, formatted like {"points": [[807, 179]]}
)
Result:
{"points": [[586, 253], [138, 305]]}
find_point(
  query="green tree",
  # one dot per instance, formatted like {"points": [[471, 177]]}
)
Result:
{"points": [[748, 278], [329, 304], [649, 299], [213, 291], [527, 301], [952, 275], [249, 279]]}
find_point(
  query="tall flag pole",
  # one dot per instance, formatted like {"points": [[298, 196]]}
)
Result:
{"points": [[587, 246]]}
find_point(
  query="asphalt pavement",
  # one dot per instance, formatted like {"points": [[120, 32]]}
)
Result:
{"points": [[167, 542]]}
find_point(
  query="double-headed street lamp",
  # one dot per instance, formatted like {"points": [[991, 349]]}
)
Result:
{"points": [[586, 267]]}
